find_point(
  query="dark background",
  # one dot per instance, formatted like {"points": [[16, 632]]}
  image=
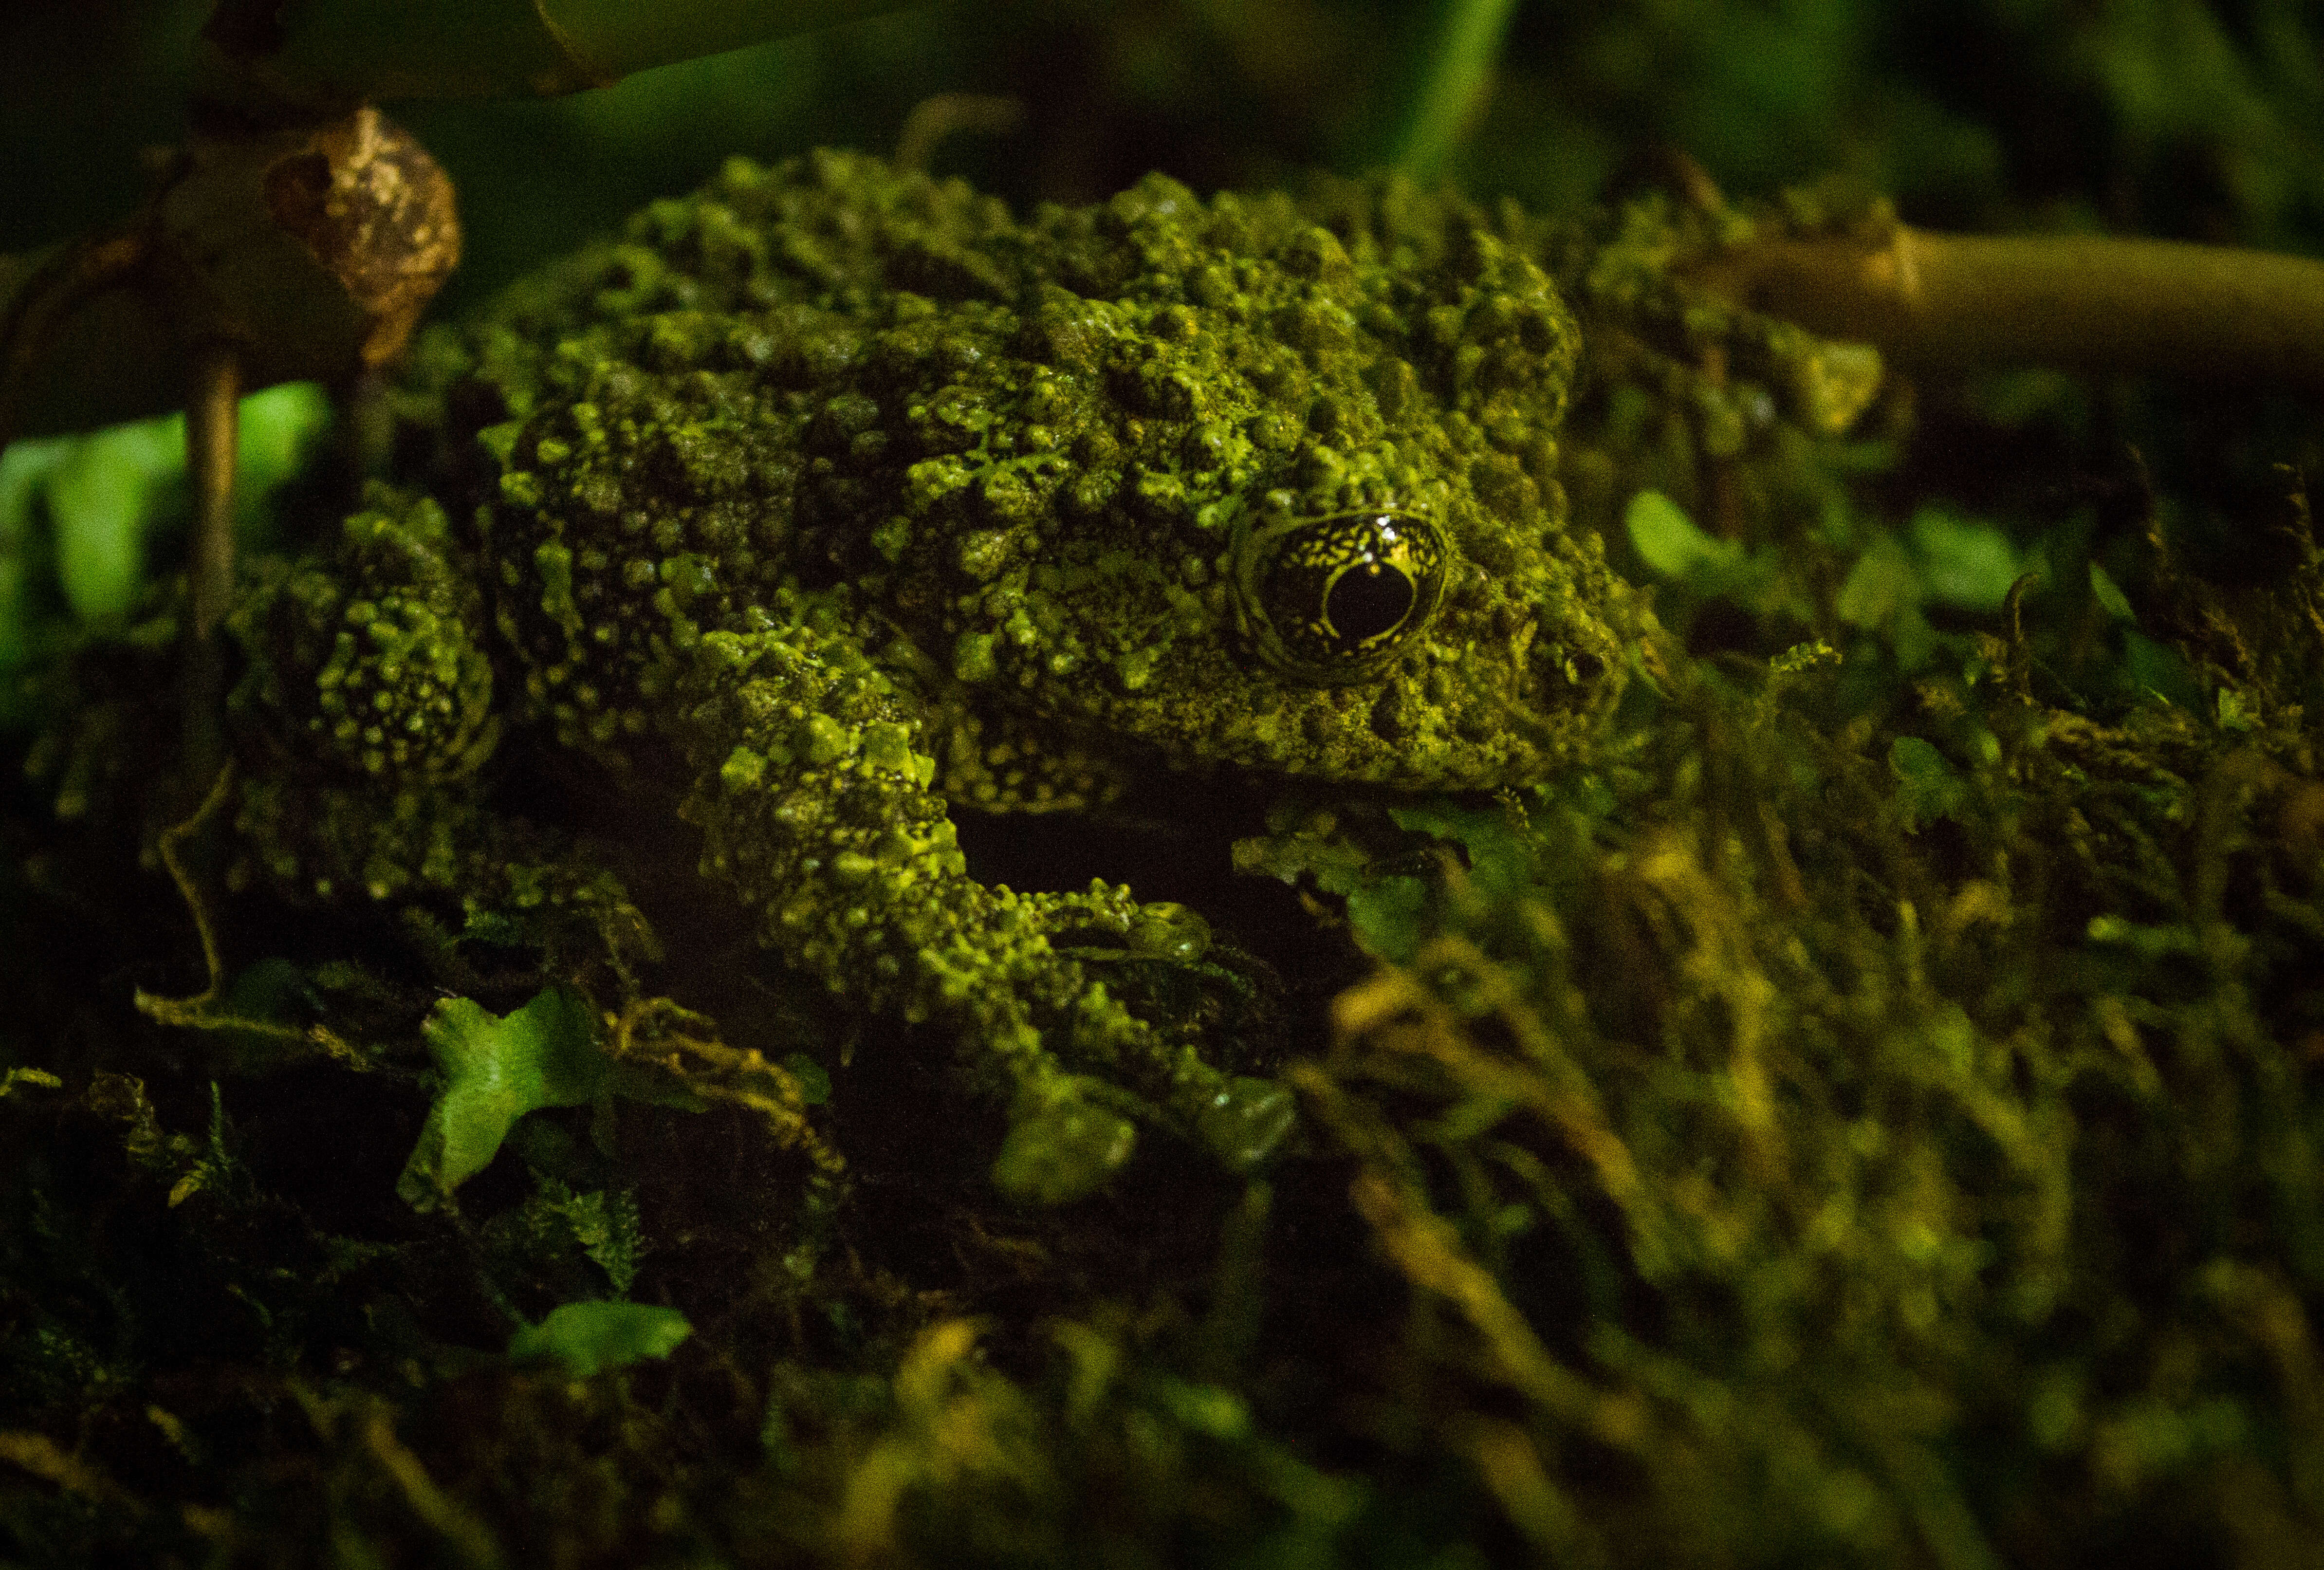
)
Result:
{"points": [[2175, 117]]}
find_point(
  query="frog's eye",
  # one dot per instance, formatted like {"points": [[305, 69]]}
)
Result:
{"points": [[1330, 599]]}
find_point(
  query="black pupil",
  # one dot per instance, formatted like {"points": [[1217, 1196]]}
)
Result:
{"points": [[1367, 602]]}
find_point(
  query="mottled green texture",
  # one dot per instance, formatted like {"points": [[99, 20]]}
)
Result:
{"points": [[837, 394], [1732, 413], [370, 659], [833, 493], [365, 711]]}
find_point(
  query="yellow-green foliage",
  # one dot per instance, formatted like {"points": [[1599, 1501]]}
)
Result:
{"points": [[1866, 1146]]}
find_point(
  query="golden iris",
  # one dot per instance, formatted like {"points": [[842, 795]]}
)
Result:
{"points": [[1331, 599]]}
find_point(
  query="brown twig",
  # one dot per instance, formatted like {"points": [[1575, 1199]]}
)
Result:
{"points": [[943, 115], [2091, 302], [171, 844]]}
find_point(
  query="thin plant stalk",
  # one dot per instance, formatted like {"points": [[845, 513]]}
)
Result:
{"points": [[213, 438], [1459, 74]]}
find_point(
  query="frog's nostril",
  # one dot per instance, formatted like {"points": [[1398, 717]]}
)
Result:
{"points": [[1561, 673]]}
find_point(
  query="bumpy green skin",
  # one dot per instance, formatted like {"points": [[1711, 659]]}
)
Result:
{"points": [[365, 712], [838, 392], [853, 493]]}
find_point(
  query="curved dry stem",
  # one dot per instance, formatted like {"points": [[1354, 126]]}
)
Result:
{"points": [[200, 1011], [2091, 302], [943, 115], [213, 431], [49, 288], [173, 843]]}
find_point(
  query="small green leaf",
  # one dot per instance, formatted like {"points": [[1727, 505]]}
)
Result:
{"points": [[2150, 943], [2109, 595], [1879, 586], [1964, 563], [492, 926], [813, 1083], [1927, 787], [495, 1070], [1668, 540], [13, 1077], [1061, 1149], [589, 1337]]}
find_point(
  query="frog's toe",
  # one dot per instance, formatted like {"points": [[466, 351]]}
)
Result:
{"points": [[1166, 929], [1061, 1149], [1245, 1121]]}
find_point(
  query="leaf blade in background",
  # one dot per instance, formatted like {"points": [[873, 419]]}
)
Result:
{"points": [[588, 1339]]}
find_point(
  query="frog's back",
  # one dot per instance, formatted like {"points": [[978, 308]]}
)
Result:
{"points": [[653, 409], [1057, 458], [827, 230]]}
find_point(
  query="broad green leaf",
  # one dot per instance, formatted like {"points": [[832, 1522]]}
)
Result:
{"points": [[330, 52], [1883, 594], [106, 492], [103, 496], [1501, 853], [1879, 586], [2156, 671], [1386, 917], [495, 1070], [589, 1337]]}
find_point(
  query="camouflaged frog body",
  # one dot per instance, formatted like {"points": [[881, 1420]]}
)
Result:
{"points": [[1117, 475], [866, 495]]}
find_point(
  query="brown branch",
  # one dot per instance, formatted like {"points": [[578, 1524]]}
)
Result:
{"points": [[213, 433], [2089, 302]]}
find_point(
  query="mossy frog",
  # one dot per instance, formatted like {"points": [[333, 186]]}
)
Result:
{"points": [[833, 493]]}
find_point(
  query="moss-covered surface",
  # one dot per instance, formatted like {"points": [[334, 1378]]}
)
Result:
{"points": [[1864, 1111]]}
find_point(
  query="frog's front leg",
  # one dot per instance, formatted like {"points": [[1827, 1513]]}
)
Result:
{"points": [[365, 717], [816, 807]]}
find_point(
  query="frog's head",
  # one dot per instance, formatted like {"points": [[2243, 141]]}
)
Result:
{"points": [[1283, 494]]}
